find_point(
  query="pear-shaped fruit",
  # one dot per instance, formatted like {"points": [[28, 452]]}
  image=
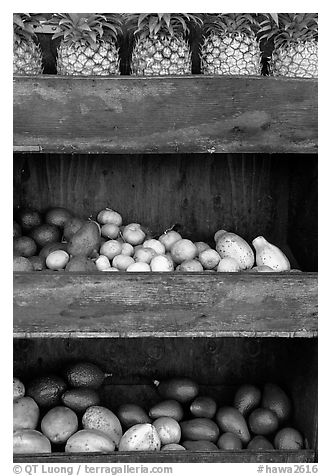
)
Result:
{"points": [[167, 408], [86, 241], [130, 414], [230, 245], [230, 419], [246, 398], [274, 398], [269, 255]]}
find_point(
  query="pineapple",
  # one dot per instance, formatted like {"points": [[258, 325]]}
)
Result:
{"points": [[294, 36], [161, 46], [87, 48], [27, 57], [230, 46]]}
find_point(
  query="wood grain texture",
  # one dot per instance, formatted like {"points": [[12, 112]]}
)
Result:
{"points": [[165, 305], [165, 114]]}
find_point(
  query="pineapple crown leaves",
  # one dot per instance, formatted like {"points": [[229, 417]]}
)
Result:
{"points": [[24, 25], [90, 27], [288, 28], [230, 23], [163, 24]]}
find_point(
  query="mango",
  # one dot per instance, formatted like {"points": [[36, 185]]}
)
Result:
{"points": [[25, 414], [167, 408], [168, 429], [30, 442], [141, 437], [59, 424], [200, 445], [86, 441]]}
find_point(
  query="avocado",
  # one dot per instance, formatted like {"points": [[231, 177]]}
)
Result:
{"points": [[260, 442], [199, 429], [22, 264], [288, 439], [86, 241], [230, 419], [130, 414], [46, 391], [274, 398], [181, 389], [79, 399], [199, 445], [246, 398], [229, 441], [71, 227], [84, 374], [57, 216], [167, 408], [263, 421], [203, 407]]}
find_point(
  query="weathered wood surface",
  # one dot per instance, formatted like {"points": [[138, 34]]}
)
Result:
{"points": [[243, 456], [167, 114], [165, 305]]}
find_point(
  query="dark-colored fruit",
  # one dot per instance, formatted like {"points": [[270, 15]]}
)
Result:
{"points": [[229, 441], [130, 414], [259, 442], [57, 216], [288, 439], [47, 249], [246, 398], [79, 399], [201, 445], [24, 246], [263, 421], [46, 391], [45, 234], [181, 389], [274, 398], [86, 241], [167, 408], [84, 374], [17, 231], [21, 264], [38, 263], [80, 264], [199, 429], [28, 218], [203, 407], [229, 419], [71, 227]]}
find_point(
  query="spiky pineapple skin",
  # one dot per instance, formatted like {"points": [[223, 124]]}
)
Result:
{"points": [[230, 55], [81, 58], [27, 58], [298, 60], [155, 56]]}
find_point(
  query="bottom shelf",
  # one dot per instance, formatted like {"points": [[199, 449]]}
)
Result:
{"points": [[242, 456]]}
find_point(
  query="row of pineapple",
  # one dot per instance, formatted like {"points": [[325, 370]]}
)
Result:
{"points": [[230, 46]]}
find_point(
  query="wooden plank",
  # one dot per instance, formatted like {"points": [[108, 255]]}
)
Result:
{"points": [[243, 456], [166, 114], [51, 304]]}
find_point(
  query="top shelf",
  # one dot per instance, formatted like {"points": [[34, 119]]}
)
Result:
{"points": [[193, 114]]}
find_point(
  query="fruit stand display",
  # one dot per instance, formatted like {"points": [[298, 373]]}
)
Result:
{"points": [[205, 185]]}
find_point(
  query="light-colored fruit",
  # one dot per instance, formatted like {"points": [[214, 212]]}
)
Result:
{"points": [[30, 442], [167, 408], [161, 263], [247, 398], [229, 441], [168, 429], [46, 391], [133, 234], [263, 421], [24, 246], [89, 441], [201, 246], [109, 216], [127, 249], [79, 399], [57, 216], [71, 227], [44, 234], [270, 255], [110, 249], [203, 407], [274, 398], [263, 269], [110, 231], [229, 419], [22, 264], [144, 255], [86, 241], [25, 414], [200, 429], [192, 266], [84, 374], [102, 263], [181, 389], [230, 245], [209, 258], [200, 445], [59, 424], [156, 245], [102, 419], [259, 442], [173, 447], [57, 260], [18, 389], [122, 262], [183, 250], [168, 238], [288, 439], [111, 269], [131, 414], [141, 437], [228, 265], [138, 267], [80, 264], [47, 249], [218, 235]]}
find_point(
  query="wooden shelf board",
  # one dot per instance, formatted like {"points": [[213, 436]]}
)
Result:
{"points": [[197, 113], [51, 304]]}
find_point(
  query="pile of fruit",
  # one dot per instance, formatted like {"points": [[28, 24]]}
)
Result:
{"points": [[61, 241], [54, 413]]}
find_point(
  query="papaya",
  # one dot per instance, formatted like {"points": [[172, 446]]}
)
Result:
{"points": [[30, 442], [270, 255], [103, 419], [168, 429], [230, 245], [86, 441], [172, 447], [141, 437], [199, 429], [181, 389]]}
